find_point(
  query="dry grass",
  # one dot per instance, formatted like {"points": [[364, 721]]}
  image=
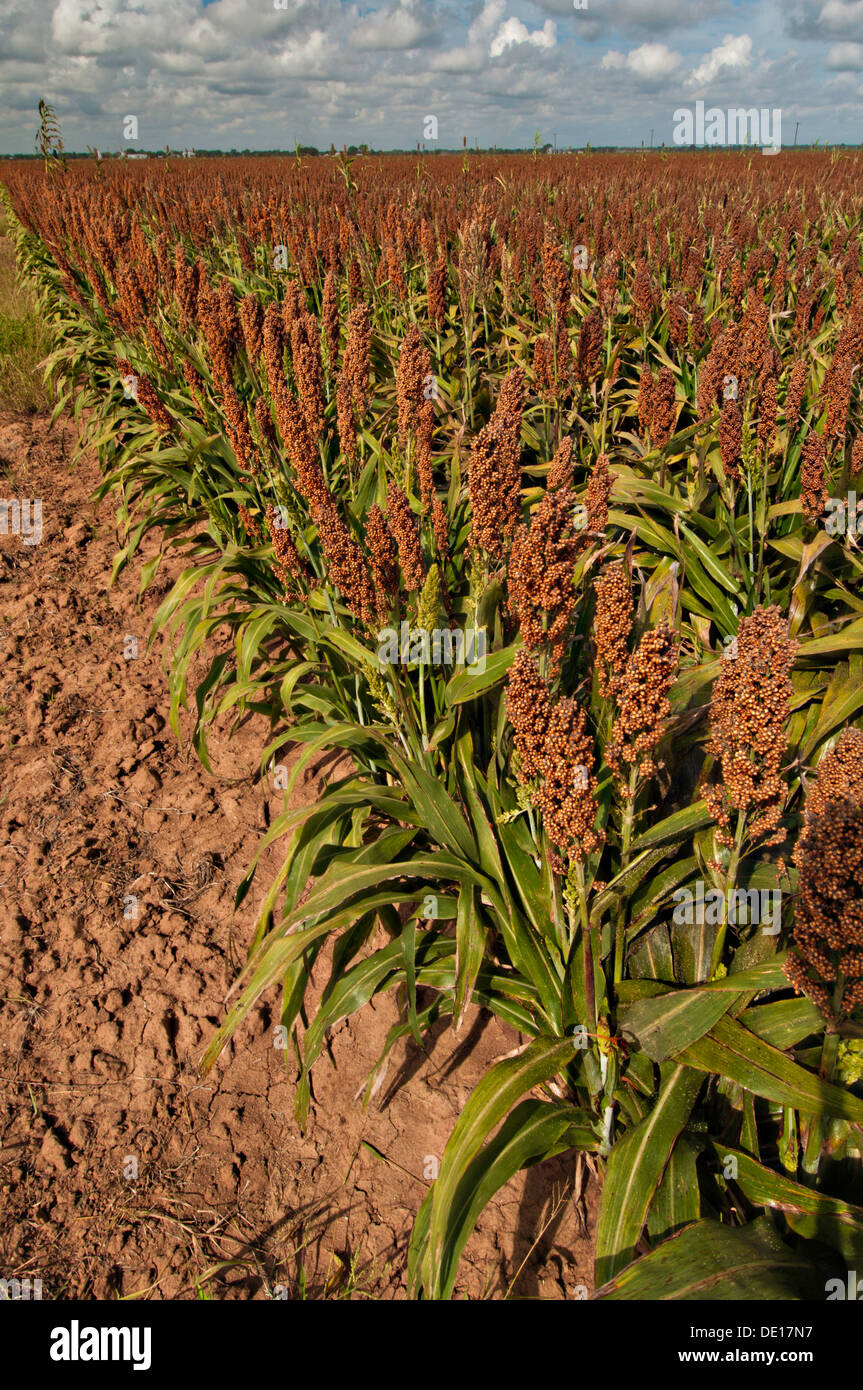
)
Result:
{"points": [[23, 339]]}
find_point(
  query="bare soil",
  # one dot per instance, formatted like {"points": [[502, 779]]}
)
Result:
{"points": [[123, 1172]]}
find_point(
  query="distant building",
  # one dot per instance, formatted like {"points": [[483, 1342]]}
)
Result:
{"points": [[188, 154]]}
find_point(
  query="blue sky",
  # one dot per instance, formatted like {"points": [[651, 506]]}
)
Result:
{"points": [[264, 73]]}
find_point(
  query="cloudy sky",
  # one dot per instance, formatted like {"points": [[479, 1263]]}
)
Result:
{"points": [[264, 73]]}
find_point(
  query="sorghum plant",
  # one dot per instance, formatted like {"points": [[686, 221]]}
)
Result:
{"points": [[597, 434]]}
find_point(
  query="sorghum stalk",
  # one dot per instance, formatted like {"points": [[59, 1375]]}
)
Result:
{"points": [[584, 921], [564, 930], [762, 534], [826, 1070], [751, 520], [730, 885], [625, 843]]}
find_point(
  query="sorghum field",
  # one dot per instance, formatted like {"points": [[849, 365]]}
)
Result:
{"points": [[528, 485]]}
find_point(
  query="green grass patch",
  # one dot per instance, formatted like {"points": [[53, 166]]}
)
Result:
{"points": [[24, 341]]}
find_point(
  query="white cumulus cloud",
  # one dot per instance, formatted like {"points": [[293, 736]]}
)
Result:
{"points": [[400, 27], [841, 14], [513, 32], [650, 62], [490, 36], [845, 57], [488, 19], [735, 51]]}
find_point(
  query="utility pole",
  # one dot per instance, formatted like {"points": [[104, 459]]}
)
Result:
{"points": [[796, 128], [651, 138]]}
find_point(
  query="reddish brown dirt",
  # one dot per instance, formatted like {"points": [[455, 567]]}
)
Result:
{"points": [[103, 1018]]}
